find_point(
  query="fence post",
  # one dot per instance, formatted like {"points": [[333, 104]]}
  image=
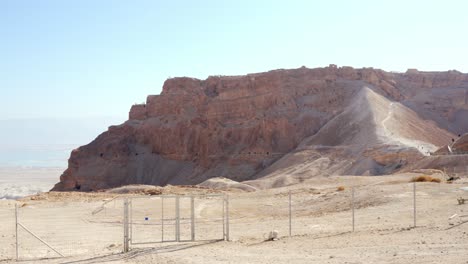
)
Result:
{"points": [[352, 203], [414, 204], [227, 217], [192, 206], [290, 224], [16, 228], [162, 218], [130, 222], [125, 226], [224, 217], [177, 219]]}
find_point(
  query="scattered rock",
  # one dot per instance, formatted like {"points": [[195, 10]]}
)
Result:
{"points": [[273, 236]]}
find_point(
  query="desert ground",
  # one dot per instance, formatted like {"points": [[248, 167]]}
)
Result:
{"points": [[87, 227]]}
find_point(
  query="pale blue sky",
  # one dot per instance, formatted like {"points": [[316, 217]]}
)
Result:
{"points": [[82, 59]]}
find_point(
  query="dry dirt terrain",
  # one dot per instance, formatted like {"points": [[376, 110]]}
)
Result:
{"points": [[87, 228]]}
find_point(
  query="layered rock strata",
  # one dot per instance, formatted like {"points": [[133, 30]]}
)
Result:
{"points": [[239, 126]]}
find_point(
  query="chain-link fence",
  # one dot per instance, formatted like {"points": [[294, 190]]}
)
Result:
{"points": [[49, 230], [172, 218], [7, 232], [455, 172], [380, 207]]}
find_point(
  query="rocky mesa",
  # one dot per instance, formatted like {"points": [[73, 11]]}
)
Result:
{"points": [[276, 128]]}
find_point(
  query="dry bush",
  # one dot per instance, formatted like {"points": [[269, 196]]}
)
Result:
{"points": [[152, 192], [425, 178], [340, 188]]}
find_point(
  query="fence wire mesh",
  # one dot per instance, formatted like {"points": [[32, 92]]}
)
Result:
{"points": [[176, 218], [448, 213], [312, 212], [55, 230], [209, 218], [384, 207], [49, 230], [7, 233], [253, 217]]}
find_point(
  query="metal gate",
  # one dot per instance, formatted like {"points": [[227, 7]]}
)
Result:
{"points": [[175, 218]]}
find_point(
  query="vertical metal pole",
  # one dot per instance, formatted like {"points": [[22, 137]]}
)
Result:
{"points": [[352, 203], [131, 221], [224, 218], [16, 222], [414, 204], [192, 209], [162, 218], [290, 213], [125, 226], [177, 222], [227, 217]]}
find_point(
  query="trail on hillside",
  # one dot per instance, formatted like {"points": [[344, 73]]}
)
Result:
{"points": [[423, 147], [389, 114]]}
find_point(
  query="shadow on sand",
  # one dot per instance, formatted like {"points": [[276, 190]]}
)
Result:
{"points": [[137, 252]]}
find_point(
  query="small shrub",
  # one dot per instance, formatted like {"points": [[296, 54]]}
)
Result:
{"points": [[152, 192], [425, 178], [340, 188]]}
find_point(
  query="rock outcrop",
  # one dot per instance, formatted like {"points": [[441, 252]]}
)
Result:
{"points": [[461, 144], [241, 127]]}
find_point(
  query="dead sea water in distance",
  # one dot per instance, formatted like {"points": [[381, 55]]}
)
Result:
{"points": [[27, 170]]}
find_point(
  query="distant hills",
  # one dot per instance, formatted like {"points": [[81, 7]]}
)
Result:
{"points": [[46, 142]]}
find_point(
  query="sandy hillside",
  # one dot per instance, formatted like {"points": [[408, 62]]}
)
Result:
{"points": [[371, 136]]}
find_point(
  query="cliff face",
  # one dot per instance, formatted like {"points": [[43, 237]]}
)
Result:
{"points": [[236, 127]]}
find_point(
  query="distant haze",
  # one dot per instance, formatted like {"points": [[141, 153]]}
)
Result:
{"points": [[47, 142]]}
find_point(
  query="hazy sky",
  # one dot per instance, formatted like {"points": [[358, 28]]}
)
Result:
{"points": [[96, 58]]}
